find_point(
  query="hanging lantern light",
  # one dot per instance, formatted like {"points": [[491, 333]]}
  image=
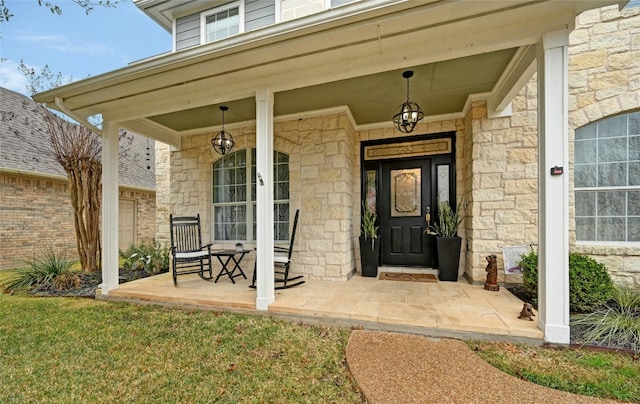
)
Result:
{"points": [[410, 112], [223, 142]]}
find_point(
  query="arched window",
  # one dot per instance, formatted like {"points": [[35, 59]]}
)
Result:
{"points": [[607, 180], [234, 196]]}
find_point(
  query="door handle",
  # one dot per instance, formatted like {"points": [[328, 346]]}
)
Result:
{"points": [[427, 215]]}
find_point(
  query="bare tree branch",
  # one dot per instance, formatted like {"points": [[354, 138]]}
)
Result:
{"points": [[78, 150], [87, 5]]}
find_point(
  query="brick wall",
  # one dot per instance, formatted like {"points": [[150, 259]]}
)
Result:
{"points": [[36, 214]]}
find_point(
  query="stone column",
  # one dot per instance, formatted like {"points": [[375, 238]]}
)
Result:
{"points": [[553, 146], [264, 199], [110, 195]]}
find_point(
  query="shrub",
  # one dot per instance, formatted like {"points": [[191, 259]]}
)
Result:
{"points": [[617, 324], [529, 265], [590, 285], [41, 272], [150, 257]]}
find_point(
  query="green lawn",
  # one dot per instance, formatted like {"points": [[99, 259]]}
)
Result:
{"points": [[82, 350], [581, 371]]}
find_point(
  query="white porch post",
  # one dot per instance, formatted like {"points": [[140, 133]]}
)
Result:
{"points": [[110, 199], [553, 146], [264, 199]]}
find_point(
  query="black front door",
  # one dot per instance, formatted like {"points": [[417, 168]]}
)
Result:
{"points": [[405, 199]]}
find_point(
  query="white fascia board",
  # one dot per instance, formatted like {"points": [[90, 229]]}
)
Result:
{"points": [[520, 70], [148, 128]]}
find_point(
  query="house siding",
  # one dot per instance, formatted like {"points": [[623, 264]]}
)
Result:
{"points": [[257, 14], [188, 31]]}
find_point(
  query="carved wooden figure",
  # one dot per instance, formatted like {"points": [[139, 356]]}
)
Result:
{"points": [[492, 274], [527, 312]]}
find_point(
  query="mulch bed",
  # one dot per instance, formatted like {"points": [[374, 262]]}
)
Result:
{"points": [[89, 282], [577, 338]]}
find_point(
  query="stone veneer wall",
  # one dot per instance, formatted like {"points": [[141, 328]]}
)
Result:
{"points": [[321, 165], [496, 163], [504, 183], [604, 80], [36, 214]]}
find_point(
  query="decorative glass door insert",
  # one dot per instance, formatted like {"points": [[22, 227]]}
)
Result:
{"points": [[406, 187]]}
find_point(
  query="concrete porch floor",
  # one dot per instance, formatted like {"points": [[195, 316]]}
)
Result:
{"points": [[441, 309]]}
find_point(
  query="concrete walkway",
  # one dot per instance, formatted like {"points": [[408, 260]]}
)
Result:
{"points": [[401, 368]]}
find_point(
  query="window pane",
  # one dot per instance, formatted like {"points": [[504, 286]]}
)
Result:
{"points": [[231, 218], [586, 151], [586, 132], [633, 231], [634, 123], [222, 24], [585, 203], [585, 229], [634, 148], [612, 174], [229, 188], [615, 213], [614, 149], [612, 203], [443, 183], [253, 181], [633, 203], [585, 175], [634, 174], [229, 177], [610, 127], [611, 229]]}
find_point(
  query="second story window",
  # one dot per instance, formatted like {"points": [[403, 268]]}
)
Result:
{"points": [[222, 22]]}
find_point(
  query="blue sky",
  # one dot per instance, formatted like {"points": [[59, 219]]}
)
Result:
{"points": [[74, 43]]}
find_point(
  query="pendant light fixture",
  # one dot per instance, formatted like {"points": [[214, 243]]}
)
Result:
{"points": [[223, 142], [410, 112]]}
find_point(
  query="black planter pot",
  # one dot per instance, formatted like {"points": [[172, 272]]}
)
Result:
{"points": [[369, 256], [448, 258]]}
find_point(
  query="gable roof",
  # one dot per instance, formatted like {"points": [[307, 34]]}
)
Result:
{"points": [[25, 146]]}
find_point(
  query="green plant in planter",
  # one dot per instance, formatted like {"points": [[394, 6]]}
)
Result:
{"points": [[448, 220], [368, 227]]}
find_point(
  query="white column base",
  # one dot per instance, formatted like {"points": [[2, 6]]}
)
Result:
{"points": [[556, 334], [263, 303]]}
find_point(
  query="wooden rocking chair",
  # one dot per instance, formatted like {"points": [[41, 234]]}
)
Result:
{"points": [[282, 263], [188, 254]]}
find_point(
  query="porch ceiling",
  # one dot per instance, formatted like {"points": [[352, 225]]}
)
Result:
{"points": [[440, 88], [352, 55]]}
